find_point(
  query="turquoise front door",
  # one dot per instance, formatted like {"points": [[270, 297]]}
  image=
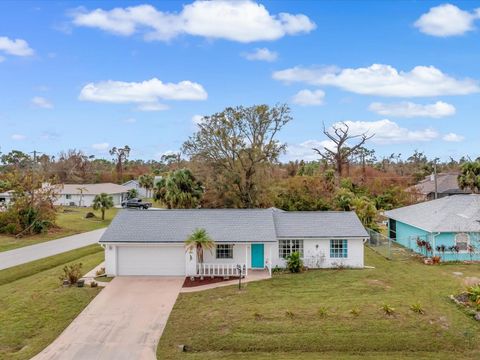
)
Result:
{"points": [[257, 256]]}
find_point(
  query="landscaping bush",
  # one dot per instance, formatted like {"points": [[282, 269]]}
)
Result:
{"points": [[89, 215], [72, 273], [388, 310], [294, 262], [417, 308], [474, 294]]}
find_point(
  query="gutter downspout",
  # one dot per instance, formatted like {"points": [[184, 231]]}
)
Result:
{"points": [[434, 244]]}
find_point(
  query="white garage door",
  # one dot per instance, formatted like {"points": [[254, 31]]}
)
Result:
{"points": [[150, 260]]}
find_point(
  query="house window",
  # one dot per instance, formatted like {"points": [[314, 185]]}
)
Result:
{"points": [[68, 196], [287, 247], [224, 251], [338, 248], [462, 240]]}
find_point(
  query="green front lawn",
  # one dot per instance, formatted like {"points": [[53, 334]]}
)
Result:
{"points": [[282, 318], [35, 308], [70, 220]]}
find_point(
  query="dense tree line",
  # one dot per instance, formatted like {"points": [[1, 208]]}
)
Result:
{"points": [[233, 160]]}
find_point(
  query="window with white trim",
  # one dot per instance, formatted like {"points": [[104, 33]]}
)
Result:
{"points": [[338, 248], [462, 240], [224, 251], [287, 247]]}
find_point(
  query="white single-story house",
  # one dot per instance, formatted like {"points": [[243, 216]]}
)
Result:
{"points": [[83, 194], [134, 184], [153, 242]]}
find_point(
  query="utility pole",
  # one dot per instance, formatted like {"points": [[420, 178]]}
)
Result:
{"points": [[34, 164], [435, 177]]}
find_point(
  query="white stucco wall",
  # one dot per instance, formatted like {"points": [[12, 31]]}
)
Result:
{"points": [[87, 200], [317, 254]]}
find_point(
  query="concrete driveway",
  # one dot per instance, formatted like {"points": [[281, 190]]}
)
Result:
{"points": [[48, 248], [124, 322]]}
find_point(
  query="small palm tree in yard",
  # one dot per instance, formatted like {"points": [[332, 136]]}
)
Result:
{"points": [[102, 202], [201, 241]]}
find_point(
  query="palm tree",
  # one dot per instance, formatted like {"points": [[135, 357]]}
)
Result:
{"points": [[182, 190], [81, 190], [201, 241], [469, 177], [146, 181], [102, 202]]}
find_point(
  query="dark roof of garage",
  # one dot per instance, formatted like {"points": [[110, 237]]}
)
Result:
{"points": [[229, 225]]}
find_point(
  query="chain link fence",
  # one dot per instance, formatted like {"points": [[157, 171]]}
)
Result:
{"points": [[387, 247]]}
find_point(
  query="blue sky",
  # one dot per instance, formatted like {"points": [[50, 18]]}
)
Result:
{"points": [[81, 74]]}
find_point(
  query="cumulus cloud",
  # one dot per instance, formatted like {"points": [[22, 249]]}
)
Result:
{"points": [[41, 102], [452, 137], [243, 21], [261, 54], [101, 147], [447, 20], [387, 131], [305, 150], [309, 97], [17, 47], [18, 137], [382, 80], [197, 119], [146, 93], [410, 109]]}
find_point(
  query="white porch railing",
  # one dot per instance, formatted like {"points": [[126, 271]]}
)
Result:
{"points": [[212, 270]]}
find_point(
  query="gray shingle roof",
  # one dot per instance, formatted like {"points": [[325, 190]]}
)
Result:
{"points": [[446, 183], [306, 224], [449, 214], [229, 225]]}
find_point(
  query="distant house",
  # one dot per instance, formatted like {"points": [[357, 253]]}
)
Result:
{"points": [[83, 194], [447, 185], [6, 197], [142, 192], [446, 222], [153, 242], [134, 184]]}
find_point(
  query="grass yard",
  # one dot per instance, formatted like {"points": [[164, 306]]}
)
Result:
{"points": [[308, 316], [70, 221], [34, 308]]}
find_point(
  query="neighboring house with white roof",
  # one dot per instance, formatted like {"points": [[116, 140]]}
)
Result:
{"points": [[6, 197], [83, 194], [450, 226], [447, 185], [152, 242]]}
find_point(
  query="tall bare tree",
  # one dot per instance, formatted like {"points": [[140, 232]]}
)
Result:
{"points": [[238, 143], [339, 135], [120, 156]]}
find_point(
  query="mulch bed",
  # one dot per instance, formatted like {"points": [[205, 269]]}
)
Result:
{"points": [[206, 280]]}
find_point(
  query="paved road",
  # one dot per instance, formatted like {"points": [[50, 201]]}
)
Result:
{"points": [[124, 322], [38, 251]]}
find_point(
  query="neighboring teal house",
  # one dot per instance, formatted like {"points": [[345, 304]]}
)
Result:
{"points": [[448, 227]]}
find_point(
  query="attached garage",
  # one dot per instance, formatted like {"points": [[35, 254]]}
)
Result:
{"points": [[167, 260]]}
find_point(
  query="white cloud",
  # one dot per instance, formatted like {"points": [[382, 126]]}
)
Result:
{"points": [[305, 150], [410, 109], [452, 137], [309, 97], [382, 80], [41, 102], [101, 147], [243, 21], [197, 119], [146, 93], [446, 20], [130, 120], [18, 137], [152, 107], [261, 54], [17, 47], [388, 132]]}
